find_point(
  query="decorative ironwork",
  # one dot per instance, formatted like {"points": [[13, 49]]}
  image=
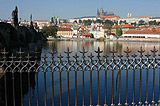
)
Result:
{"points": [[84, 62]]}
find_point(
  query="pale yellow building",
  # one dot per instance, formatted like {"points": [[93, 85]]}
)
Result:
{"points": [[65, 32]]}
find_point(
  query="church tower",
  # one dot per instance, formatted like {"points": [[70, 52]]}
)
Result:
{"points": [[15, 18], [98, 13], [101, 12]]}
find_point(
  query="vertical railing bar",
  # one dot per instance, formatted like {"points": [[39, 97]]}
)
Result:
{"points": [[140, 94], [29, 88], [75, 87], [60, 88], [45, 94], [14, 104], [159, 88], [21, 88], [98, 89], [68, 88], [153, 102], [119, 104], [5, 86], [126, 87], [146, 102], [105, 87], [52, 88], [112, 88], [133, 101], [37, 89], [83, 91], [90, 87]]}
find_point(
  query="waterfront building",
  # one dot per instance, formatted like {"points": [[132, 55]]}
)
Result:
{"points": [[146, 33], [99, 31], [124, 27], [65, 32]]}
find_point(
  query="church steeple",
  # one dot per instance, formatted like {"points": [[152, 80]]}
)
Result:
{"points": [[31, 23], [15, 17], [98, 13]]}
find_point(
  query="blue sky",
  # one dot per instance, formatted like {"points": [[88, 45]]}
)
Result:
{"points": [[44, 9]]}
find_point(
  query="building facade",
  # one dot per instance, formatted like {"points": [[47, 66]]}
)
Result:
{"points": [[65, 32], [124, 27]]}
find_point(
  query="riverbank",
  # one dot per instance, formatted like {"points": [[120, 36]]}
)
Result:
{"points": [[71, 39], [114, 39], [137, 39]]}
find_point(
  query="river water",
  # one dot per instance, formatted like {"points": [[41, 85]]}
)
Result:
{"points": [[91, 46]]}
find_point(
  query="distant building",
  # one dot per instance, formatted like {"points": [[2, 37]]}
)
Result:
{"points": [[124, 27], [157, 19], [65, 32], [42, 23], [136, 19], [113, 18], [55, 20], [146, 33], [94, 18], [101, 12], [61, 21]]}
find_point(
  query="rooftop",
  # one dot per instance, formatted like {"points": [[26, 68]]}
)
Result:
{"points": [[123, 26], [145, 31], [64, 29]]}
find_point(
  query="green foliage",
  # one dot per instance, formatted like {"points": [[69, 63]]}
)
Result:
{"points": [[92, 35], [75, 21], [108, 22], [119, 32], [98, 21], [153, 22], [141, 22], [80, 21], [87, 22], [123, 22], [134, 24], [49, 31]]}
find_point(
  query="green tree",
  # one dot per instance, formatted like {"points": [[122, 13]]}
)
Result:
{"points": [[98, 21], [49, 31], [92, 35], [120, 22], [75, 21], [87, 22], [153, 22], [141, 22], [119, 32], [134, 24], [80, 21], [108, 22]]}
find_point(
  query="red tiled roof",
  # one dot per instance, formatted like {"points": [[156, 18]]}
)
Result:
{"points": [[137, 17], [123, 26], [64, 29], [112, 16], [155, 18], [145, 31]]}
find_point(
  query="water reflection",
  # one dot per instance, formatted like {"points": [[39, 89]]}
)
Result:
{"points": [[91, 46], [119, 46]]}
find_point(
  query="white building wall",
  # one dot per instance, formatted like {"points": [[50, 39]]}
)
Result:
{"points": [[142, 35]]}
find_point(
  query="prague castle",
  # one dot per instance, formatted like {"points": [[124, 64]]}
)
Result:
{"points": [[101, 12]]}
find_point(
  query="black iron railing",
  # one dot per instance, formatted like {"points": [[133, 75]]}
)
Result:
{"points": [[84, 62]]}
